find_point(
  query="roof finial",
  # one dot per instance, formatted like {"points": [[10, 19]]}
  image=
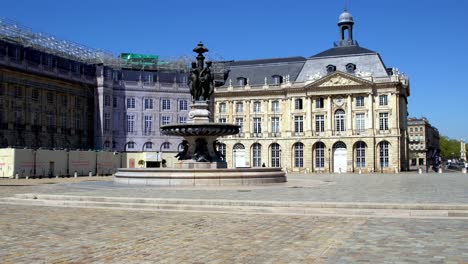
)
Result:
{"points": [[345, 6]]}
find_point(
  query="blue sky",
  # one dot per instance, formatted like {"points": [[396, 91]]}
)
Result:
{"points": [[427, 40]]}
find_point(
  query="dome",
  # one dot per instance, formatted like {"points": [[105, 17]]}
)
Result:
{"points": [[345, 17]]}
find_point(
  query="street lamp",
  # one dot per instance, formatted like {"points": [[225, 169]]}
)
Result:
{"points": [[329, 160]]}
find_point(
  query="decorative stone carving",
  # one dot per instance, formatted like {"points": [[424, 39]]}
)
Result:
{"points": [[338, 81]]}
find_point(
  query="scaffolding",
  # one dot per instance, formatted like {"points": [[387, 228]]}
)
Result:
{"points": [[11, 31]]}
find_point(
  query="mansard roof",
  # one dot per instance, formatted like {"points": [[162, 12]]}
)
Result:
{"points": [[257, 70]]}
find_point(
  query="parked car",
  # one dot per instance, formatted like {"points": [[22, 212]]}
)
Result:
{"points": [[456, 165]]}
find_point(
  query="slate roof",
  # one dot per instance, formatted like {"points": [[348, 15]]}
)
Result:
{"points": [[366, 61], [341, 51], [257, 70]]}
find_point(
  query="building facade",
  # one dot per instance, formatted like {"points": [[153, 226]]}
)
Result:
{"points": [[45, 100], [423, 142], [56, 94], [132, 105], [341, 110]]}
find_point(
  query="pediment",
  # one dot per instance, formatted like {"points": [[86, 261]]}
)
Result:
{"points": [[339, 79]]}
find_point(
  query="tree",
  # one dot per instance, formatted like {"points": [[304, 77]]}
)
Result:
{"points": [[449, 148]]}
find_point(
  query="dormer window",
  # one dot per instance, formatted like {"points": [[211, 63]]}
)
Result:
{"points": [[350, 67], [241, 81], [331, 68], [277, 79]]}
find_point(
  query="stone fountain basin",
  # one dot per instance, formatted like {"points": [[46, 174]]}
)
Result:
{"points": [[200, 129], [199, 177]]}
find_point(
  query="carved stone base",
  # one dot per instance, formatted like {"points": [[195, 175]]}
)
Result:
{"points": [[199, 113]]}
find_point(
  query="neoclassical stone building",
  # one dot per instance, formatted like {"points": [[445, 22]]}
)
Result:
{"points": [[341, 110]]}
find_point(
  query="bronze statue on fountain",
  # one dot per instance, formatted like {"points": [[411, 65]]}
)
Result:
{"points": [[200, 135]]}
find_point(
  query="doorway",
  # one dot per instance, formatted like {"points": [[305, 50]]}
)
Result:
{"points": [[339, 157]]}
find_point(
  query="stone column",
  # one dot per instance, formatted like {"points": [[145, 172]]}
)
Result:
{"points": [[308, 116], [329, 115], [370, 111], [349, 116]]}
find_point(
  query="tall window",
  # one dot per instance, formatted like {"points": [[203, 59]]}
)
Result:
{"points": [[319, 103], [77, 121], [240, 122], [275, 107], [299, 155], [360, 154], [319, 123], [77, 101], [182, 119], [107, 100], [183, 105], [107, 121], [275, 155], [239, 107], [50, 97], [275, 125], [340, 120], [257, 125], [65, 100], [222, 120], [148, 124], [165, 120], [298, 124], [222, 108], [257, 107], [319, 155], [131, 103], [256, 155], [360, 122], [298, 104], [65, 120], [383, 146], [149, 145], [166, 104], [383, 99], [130, 123], [222, 149], [114, 102], [35, 94], [383, 121], [360, 101], [148, 103]]}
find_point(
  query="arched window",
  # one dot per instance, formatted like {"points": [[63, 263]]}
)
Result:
{"points": [[277, 79], [384, 157], [241, 81], [331, 68], [130, 145], [360, 154], [350, 67], [299, 155], [165, 146], [275, 155], [256, 155], [149, 145], [319, 155], [239, 107], [340, 121]]}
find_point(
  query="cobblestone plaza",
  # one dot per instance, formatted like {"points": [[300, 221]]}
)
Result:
{"points": [[45, 234]]}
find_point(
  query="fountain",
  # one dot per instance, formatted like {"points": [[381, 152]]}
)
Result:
{"points": [[199, 162]]}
